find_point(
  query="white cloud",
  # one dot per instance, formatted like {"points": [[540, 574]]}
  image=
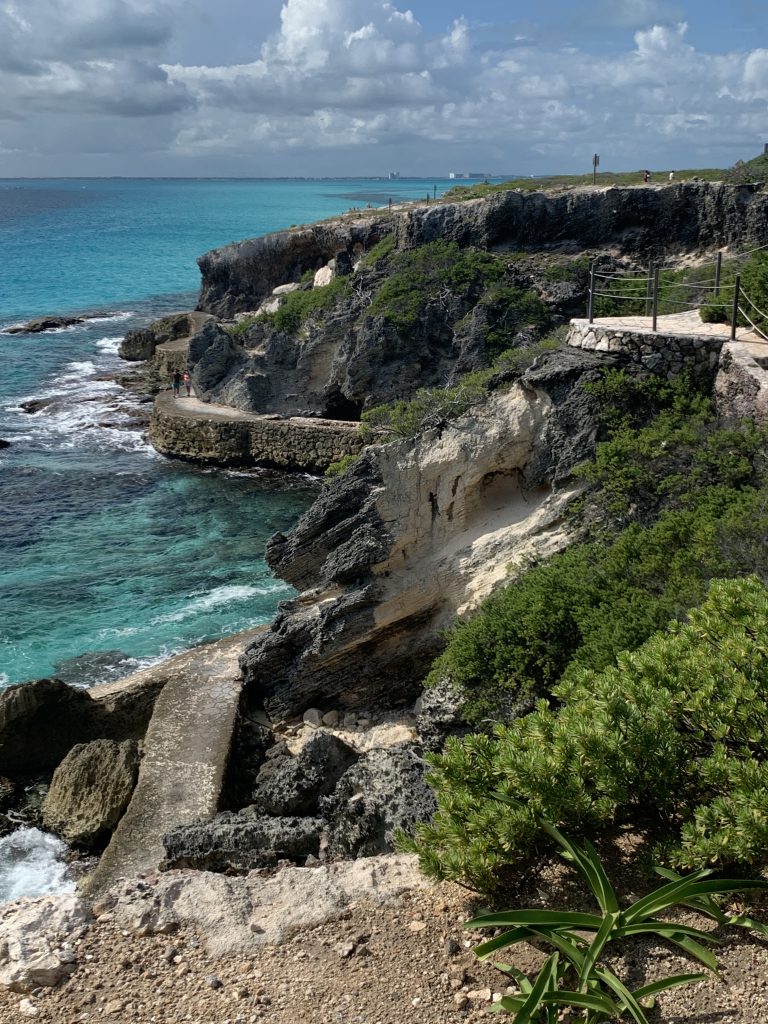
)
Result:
{"points": [[348, 74]]}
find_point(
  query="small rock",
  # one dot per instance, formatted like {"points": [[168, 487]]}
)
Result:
{"points": [[28, 1008], [345, 949], [350, 721], [114, 1006], [214, 982], [452, 947], [417, 926], [461, 1000], [331, 719], [313, 717]]}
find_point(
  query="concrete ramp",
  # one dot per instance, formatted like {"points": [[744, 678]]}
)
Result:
{"points": [[185, 757]]}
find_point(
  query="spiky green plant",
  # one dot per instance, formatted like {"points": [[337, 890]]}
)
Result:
{"points": [[573, 976]]}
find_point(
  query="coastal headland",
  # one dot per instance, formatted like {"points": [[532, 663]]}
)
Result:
{"points": [[438, 359]]}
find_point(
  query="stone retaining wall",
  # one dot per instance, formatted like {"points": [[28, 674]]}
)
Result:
{"points": [[659, 353], [295, 444]]}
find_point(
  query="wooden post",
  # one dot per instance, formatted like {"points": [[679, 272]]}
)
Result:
{"points": [[649, 290], [655, 296], [735, 310], [718, 269], [591, 305]]}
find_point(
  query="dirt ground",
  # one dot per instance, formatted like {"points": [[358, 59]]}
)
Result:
{"points": [[404, 963]]}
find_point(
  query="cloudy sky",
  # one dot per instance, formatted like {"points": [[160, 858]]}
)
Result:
{"points": [[346, 87]]}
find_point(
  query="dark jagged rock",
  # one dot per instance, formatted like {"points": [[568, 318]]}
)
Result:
{"points": [[242, 842], [383, 793], [47, 323], [4, 443], [650, 222], [440, 715], [288, 785], [34, 405], [250, 744], [41, 721], [214, 356], [237, 277], [141, 344]]}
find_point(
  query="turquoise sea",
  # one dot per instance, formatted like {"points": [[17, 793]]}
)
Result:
{"points": [[112, 557]]}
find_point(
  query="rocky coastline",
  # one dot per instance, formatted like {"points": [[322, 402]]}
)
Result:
{"points": [[267, 775]]}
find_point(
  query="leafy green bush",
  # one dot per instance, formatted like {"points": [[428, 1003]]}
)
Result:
{"points": [[509, 309], [430, 407], [754, 284], [573, 975], [239, 329], [338, 467], [296, 307], [679, 290], [422, 274], [672, 738], [380, 251]]}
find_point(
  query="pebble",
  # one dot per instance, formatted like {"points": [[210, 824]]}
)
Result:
{"points": [[313, 717], [114, 1006], [214, 982], [28, 1008], [452, 947], [417, 926]]}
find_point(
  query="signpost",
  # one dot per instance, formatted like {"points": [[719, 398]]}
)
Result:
{"points": [[595, 165]]}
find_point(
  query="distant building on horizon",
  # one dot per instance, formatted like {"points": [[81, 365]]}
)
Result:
{"points": [[393, 175], [468, 175]]}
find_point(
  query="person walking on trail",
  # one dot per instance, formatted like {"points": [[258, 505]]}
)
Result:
{"points": [[646, 177], [176, 382], [187, 382]]}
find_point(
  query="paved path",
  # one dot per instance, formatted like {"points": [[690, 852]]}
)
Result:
{"points": [[185, 755], [748, 343], [193, 408]]}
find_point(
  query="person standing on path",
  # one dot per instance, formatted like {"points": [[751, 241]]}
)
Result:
{"points": [[176, 383], [187, 382]]}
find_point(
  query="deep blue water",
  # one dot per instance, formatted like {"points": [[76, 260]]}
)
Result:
{"points": [[111, 556]]}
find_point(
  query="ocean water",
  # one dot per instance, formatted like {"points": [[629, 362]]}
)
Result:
{"points": [[112, 557]]}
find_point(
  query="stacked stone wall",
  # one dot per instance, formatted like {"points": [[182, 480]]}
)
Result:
{"points": [[294, 444], [669, 354]]}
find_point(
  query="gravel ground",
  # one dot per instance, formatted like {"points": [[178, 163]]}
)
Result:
{"points": [[404, 963]]}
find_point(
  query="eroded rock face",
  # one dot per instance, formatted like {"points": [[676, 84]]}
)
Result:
{"points": [[238, 276], [90, 791], [36, 941], [384, 792], [242, 842], [415, 533], [40, 722], [142, 343], [289, 785]]}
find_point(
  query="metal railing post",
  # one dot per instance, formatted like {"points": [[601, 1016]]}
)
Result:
{"points": [[591, 305], [655, 296], [718, 269], [735, 310], [649, 290]]}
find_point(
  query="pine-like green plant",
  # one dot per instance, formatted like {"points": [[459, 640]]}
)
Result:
{"points": [[573, 975]]}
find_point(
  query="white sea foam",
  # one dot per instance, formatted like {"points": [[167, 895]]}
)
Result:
{"points": [[121, 314], [109, 345], [31, 865], [225, 595]]}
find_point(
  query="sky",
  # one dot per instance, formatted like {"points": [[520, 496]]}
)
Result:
{"points": [[362, 87]]}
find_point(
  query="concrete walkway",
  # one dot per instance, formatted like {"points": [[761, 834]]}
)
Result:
{"points": [[185, 756], [193, 408]]}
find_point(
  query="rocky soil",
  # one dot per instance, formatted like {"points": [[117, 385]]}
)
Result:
{"points": [[407, 961]]}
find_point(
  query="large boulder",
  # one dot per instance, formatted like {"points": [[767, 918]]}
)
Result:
{"points": [[241, 842], [439, 714], [37, 940], [90, 791], [383, 793], [292, 785], [213, 356], [40, 722], [141, 343]]}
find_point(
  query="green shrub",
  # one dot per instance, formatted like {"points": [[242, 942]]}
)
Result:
{"points": [[239, 329], [509, 309], [338, 467], [380, 251], [296, 307], [754, 283], [420, 275], [574, 976], [671, 738]]}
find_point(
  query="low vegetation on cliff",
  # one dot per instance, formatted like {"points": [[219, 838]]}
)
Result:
{"points": [[675, 503]]}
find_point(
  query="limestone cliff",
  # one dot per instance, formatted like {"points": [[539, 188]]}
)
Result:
{"points": [[415, 533]]}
